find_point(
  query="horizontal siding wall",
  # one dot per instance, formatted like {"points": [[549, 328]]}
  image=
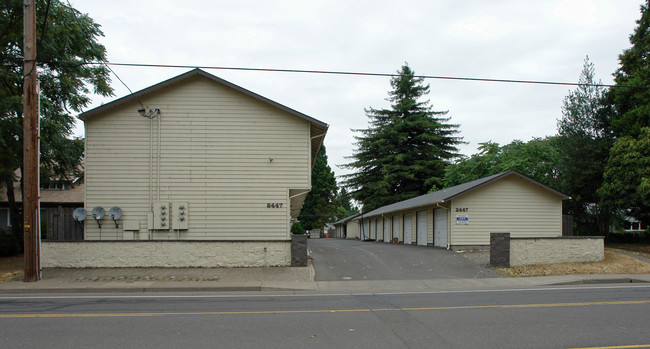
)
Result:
{"points": [[510, 205], [224, 153], [353, 229]]}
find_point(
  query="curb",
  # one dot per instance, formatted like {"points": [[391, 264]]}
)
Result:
{"points": [[601, 281], [148, 289]]}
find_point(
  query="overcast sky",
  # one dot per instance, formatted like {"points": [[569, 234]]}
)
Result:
{"points": [[519, 39]]}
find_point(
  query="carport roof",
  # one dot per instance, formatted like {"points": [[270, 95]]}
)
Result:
{"points": [[452, 192]]}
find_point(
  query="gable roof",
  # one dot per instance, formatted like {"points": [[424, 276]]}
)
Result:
{"points": [[318, 129], [73, 194], [444, 195], [347, 219]]}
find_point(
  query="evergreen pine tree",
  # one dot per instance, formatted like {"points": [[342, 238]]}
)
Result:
{"points": [[346, 202], [583, 143], [405, 150], [632, 104], [321, 205]]}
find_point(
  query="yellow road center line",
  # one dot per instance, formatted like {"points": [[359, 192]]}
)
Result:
{"points": [[266, 312], [619, 347]]}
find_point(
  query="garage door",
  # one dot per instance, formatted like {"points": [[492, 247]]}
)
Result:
{"points": [[421, 228], [386, 230], [407, 229], [371, 230], [364, 231], [378, 229], [396, 227], [440, 227]]}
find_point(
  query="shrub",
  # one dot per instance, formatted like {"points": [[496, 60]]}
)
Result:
{"points": [[629, 237], [296, 228]]}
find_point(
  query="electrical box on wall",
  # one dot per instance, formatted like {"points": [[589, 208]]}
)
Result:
{"points": [[180, 215], [161, 215]]}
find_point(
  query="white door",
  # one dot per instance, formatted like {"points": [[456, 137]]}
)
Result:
{"points": [[407, 229], [421, 228], [371, 230], [386, 230], [365, 234], [396, 227], [440, 227], [378, 230]]}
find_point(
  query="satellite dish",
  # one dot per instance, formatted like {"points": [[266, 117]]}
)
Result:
{"points": [[98, 213], [115, 213], [79, 214]]}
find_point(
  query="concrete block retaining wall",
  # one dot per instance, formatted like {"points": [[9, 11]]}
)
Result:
{"points": [[136, 254], [506, 251], [574, 249]]}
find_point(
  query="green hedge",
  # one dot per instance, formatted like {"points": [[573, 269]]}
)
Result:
{"points": [[629, 237], [297, 229]]}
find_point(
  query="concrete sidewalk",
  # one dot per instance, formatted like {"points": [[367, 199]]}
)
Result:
{"points": [[296, 280]]}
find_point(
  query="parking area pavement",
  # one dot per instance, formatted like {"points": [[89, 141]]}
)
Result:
{"points": [[338, 259]]}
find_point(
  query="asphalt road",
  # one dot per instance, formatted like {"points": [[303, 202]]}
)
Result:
{"points": [[337, 259], [554, 317]]}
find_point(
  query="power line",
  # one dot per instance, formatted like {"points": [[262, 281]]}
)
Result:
{"points": [[349, 73], [333, 72], [118, 78]]}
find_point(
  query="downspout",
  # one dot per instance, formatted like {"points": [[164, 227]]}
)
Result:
{"points": [[159, 155], [151, 115], [38, 181], [151, 173]]}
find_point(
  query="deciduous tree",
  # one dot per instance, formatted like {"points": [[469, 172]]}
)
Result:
{"points": [[66, 40], [536, 159], [626, 184]]}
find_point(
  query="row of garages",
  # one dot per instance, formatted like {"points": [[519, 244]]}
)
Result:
{"points": [[464, 215], [408, 228]]}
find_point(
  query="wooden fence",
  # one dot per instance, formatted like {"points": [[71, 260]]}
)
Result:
{"points": [[567, 225], [59, 225]]}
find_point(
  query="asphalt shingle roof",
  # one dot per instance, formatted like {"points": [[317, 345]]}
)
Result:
{"points": [[449, 193], [346, 219]]}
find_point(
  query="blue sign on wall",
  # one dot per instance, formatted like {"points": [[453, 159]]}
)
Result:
{"points": [[462, 219]]}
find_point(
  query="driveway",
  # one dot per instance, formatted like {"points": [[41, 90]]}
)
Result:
{"points": [[338, 259]]}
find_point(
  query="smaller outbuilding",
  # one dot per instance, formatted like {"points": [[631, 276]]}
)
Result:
{"points": [[346, 228], [466, 214]]}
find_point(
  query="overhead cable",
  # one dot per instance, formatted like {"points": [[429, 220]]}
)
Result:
{"points": [[333, 72]]}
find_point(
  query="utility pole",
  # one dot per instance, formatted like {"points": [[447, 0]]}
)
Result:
{"points": [[31, 221]]}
